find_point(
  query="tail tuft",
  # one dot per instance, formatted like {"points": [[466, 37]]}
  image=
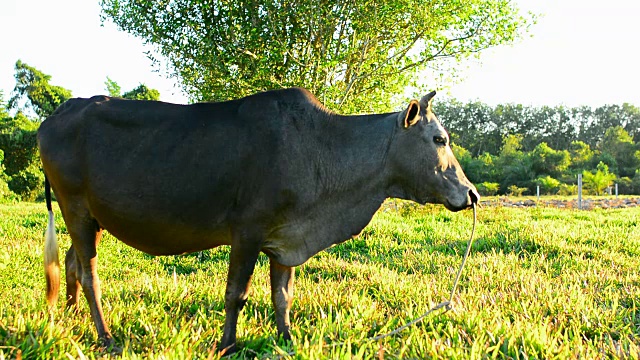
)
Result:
{"points": [[51, 262]]}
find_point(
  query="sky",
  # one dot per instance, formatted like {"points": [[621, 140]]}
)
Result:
{"points": [[581, 52]]}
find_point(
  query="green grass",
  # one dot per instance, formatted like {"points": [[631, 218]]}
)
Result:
{"points": [[540, 283]]}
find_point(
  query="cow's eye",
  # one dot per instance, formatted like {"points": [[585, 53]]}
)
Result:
{"points": [[439, 140]]}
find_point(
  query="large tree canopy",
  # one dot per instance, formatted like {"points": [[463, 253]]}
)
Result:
{"points": [[33, 89], [142, 92], [355, 55]]}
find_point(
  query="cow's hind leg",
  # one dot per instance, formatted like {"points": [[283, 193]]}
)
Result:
{"points": [[73, 272], [282, 278], [85, 236], [243, 257]]}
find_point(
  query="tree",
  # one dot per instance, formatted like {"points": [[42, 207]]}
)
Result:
{"points": [[547, 184], [21, 160], [608, 116], [568, 189], [547, 161], [488, 188], [482, 169], [354, 55], [606, 159], [635, 182], [4, 113], [33, 89], [581, 156], [625, 185], [513, 190], [472, 125], [631, 122], [599, 180], [514, 166], [463, 155], [511, 146], [619, 145], [5, 193], [580, 134], [112, 87], [142, 92]]}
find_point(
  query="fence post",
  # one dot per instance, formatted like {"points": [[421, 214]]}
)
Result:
{"points": [[580, 191], [538, 192], [616, 190]]}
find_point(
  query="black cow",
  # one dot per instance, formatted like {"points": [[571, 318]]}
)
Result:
{"points": [[274, 172]]}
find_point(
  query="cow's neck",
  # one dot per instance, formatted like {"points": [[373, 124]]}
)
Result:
{"points": [[348, 175], [358, 147]]}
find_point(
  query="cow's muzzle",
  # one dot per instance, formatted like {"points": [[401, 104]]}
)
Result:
{"points": [[474, 197], [466, 201]]}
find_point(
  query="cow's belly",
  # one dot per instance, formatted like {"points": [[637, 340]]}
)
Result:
{"points": [[163, 243], [159, 234], [294, 242], [293, 245]]}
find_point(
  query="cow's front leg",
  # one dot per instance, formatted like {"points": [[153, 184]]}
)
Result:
{"points": [[243, 257], [282, 278]]}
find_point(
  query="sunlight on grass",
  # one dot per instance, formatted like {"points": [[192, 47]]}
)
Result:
{"points": [[540, 283]]}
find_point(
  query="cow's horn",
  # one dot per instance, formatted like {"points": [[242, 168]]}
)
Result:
{"points": [[426, 100]]}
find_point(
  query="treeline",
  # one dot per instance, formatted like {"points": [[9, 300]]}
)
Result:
{"points": [[511, 149], [32, 100], [507, 149]]}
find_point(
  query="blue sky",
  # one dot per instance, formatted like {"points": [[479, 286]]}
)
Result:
{"points": [[582, 52]]}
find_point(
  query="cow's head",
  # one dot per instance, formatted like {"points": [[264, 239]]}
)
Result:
{"points": [[423, 166]]}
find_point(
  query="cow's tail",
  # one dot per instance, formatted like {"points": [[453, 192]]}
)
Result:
{"points": [[51, 260]]}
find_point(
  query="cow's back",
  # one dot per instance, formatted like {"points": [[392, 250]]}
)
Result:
{"points": [[152, 169]]}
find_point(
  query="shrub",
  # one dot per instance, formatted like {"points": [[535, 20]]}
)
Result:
{"points": [[625, 185], [599, 180], [548, 185], [635, 183], [514, 190], [568, 189], [22, 162], [28, 183], [6, 195], [488, 188]]}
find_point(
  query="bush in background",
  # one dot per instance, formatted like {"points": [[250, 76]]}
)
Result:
{"points": [[548, 185], [568, 189], [488, 188], [22, 169], [599, 180], [514, 190], [6, 195], [635, 182]]}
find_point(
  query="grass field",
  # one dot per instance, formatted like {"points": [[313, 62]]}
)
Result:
{"points": [[540, 283]]}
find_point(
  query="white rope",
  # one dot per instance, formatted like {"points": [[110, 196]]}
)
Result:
{"points": [[445, 304]]}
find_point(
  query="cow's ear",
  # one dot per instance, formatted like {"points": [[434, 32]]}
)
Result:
{"points": [[411, 115], [425, 102]]}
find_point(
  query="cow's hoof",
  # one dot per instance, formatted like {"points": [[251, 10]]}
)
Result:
{"points": [[284, 340], [111, 349], [108, 345]]}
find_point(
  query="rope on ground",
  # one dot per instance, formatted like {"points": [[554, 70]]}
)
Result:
{"points": [[447, 305]]}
